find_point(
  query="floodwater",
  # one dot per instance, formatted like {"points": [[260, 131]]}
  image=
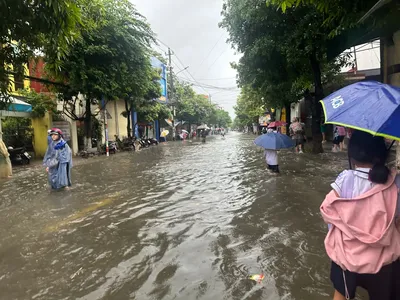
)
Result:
{"points": [[177, 221]]}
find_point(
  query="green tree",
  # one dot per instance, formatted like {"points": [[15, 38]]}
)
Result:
{"points": [[110, 61], [41, 103], [222, 118], [249, 107], [284, 54], [27, 26], [143, 101]]}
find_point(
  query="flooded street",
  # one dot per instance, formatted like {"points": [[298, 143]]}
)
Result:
{"points": [[177, 221]]}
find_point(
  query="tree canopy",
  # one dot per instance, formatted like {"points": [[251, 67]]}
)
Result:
{"points": [[249, 107], [27, 26], [197, 109], [111, 59], [284, 54]]}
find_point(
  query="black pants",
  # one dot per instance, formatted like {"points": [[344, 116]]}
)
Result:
{"points": [[384, 285], [274, 168]]}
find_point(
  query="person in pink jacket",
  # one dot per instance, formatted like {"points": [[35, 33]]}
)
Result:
{"points": [[361, 211]]}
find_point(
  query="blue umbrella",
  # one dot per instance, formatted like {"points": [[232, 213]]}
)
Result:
{"points": [[369, 106], [274, 141]]}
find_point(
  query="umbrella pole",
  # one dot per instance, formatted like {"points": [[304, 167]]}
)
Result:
{"points": [[391, 145]]}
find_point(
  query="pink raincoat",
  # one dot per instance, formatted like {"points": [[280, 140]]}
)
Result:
{"points": [[364, 236]]}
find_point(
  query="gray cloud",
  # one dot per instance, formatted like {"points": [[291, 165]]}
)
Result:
{"points": [[191, 30]]}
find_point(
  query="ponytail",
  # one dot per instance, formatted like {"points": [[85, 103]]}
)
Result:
{"points": [[379, 173]]}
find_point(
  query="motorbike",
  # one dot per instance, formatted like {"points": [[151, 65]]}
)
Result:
{"points": [[19, 156], [112, 147], [143, 143], [153, 141]]}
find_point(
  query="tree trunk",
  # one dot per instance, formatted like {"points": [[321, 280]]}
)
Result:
{"points": [[88, 124], [288, 117], [316, 106], [128, 112]]}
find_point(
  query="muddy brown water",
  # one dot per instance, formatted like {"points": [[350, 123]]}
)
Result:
{"points": [[177, 221]]}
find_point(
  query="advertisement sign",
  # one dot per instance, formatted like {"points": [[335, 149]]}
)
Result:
{"points": [[162, 69], [283, 119]]}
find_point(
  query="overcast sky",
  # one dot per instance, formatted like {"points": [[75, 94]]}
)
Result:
{"points": [[192, 32]]}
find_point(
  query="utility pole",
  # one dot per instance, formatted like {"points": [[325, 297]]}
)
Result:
{"points": [[171, 93], [105, 125]]}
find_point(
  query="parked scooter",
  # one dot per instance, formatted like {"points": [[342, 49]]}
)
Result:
{"points": [[153, 141], [112, 147], [19, 156]]}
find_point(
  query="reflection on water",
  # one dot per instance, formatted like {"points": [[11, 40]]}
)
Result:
{"points": [[177, 221]]}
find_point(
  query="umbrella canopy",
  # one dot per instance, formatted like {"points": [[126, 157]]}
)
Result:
{"points": [[369, 106], [164, 133], [274, 141], [276, 124], [204, 126], [185, 131]]}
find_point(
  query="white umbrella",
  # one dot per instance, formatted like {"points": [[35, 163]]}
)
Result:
{"points": [[204, 126]]}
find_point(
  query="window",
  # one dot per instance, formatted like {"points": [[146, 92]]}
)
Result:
{"points": [[18, 77]]}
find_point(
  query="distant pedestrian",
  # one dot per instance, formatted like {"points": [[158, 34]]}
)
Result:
{"points": [[271, 157], [296, 131], [58, 161], [203, 136], [5, 162], [323, 132], [338, 138]]}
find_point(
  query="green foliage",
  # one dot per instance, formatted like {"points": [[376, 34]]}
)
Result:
{"points": [[111, 60], [195, 108], [153, 111], [41, 103], [249, 107], [220, 118], [339, 15], [284, 54], [27, 26], [17, 132]]}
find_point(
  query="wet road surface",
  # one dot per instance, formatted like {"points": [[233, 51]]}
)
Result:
{"points": [[177, 221]]}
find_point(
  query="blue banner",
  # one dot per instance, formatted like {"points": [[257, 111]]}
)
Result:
{"points": [[162, 68]]}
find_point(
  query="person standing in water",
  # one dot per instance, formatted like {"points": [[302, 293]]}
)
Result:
{"points": [[297, 133], [271, 157], [361, 211], [58, 161], [203, 136]]}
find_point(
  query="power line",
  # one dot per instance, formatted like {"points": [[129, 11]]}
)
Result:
{"points": [[209, 53], [216, 59], [228, 88], [210, 79], [190, 74]]}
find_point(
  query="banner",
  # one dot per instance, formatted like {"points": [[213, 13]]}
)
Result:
{"points": [[162, 68]]}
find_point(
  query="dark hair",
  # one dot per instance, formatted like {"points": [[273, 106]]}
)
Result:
{"points": [[368, 149]]}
